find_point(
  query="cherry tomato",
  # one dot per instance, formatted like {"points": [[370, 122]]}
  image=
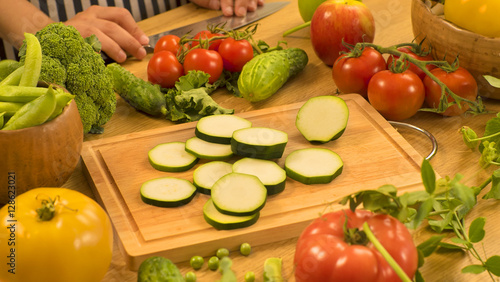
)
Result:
{"points": [[168, 42], [164, 69], [460, 82], [235, 53], [325, 253], [413, 67], [208, 61], [352, 73], [396, 96], [205, 35]]}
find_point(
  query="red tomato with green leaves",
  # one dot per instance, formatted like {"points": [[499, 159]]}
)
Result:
{"points": [[325, 252], [206, 35], [459, 81], [418, 71], [208, 61], [168, 42], [164, 69], [352, 72], [396, 96], [235, 53]]}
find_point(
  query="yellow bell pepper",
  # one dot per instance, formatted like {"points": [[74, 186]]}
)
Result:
{"points": [[478, 16]]}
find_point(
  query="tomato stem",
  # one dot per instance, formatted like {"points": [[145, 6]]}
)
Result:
{"points": [[376, 243], [297, 28], [48, 209]]}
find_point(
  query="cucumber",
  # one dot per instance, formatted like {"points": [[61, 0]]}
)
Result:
{"points": [[322, 118], [219, 128], [226, 222], [207, 174], [269, 173], [259, 142], [208, 150], [171, 157], [239, 194], [167, 192], [266, 73], [313, 165]]}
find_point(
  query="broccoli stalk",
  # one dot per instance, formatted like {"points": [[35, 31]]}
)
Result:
{"points": [[74, 62]]}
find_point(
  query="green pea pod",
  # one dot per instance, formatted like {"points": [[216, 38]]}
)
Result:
{"points": [[14, 77], [10, 108], [32, 62], [33, 113], [2, 119], [20, 94], [7, 67], [62, 100]]}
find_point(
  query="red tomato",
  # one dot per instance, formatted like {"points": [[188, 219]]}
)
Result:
{"points": [[351, 74], [460, 82], [205, 35], [323, 254], [164, 69], [208, 61], [168, 42], [396, 96], [413, 67], [235, 53]]}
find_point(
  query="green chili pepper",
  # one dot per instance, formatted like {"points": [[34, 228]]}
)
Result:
{"points": [[14, 77], [21, 94], [33, 113], [32, 62], [10, 108]]}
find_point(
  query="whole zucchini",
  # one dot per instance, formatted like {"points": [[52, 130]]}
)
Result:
{"points": [[159, 269], [266, 73]]}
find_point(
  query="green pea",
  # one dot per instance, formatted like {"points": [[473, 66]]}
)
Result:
{"points": [[249, 276], [213, 263], [196, 262], [190, 277], [245, 249], [222, 252]]}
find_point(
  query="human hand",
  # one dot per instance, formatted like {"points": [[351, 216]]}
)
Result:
{"points": [[230, 7], [115, 28]]}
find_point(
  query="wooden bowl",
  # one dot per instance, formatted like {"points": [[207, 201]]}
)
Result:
{"points": [[480, 55], [43, 155]]}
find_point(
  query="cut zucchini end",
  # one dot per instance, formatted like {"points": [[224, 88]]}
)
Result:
{"points": [[167, 192], [313, 165], [269, 173], [259, 143], [207, 174], [322, 118], [220, 128], [171, 157], [207, 150], [222, 221]]}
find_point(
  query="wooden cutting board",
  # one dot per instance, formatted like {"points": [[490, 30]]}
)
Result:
{"points": [[374, 154]]}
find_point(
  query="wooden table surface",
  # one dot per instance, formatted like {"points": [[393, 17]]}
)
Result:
{"points": [[393, 25]]}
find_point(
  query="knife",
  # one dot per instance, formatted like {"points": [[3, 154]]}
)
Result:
{"points": [[231, 23]]}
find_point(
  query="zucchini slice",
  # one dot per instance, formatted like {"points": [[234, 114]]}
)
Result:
{"points": [[171, 157], [207, 174], [239, 194], [313, 165], [259, 142], [322, 118], [268, 172], [167, 192], [208, 150], [219, 128], [226, 222]]}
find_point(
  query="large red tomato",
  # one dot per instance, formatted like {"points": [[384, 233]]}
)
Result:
{"points": [[235, 53], [352, 71], [460, 81], [324, 252], [418, 71], [168, 42], [164, 69], [396, 96], [208, 61]]}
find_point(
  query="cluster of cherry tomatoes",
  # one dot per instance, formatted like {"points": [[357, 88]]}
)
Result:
{"points": [[208, 51], [398, 91]]}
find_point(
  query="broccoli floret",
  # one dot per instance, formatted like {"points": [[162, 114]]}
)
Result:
{"points": [[74, 62]]}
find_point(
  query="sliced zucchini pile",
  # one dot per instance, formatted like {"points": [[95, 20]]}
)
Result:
{"points": [[220, 128], [225, 222], [322, 118], [171, 157], [259, 142], [167, 192], [208, 150], [313, 165], [269, 173], [207, 174]]}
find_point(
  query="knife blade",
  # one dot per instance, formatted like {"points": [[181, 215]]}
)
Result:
{"points": [[231, 23]]}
